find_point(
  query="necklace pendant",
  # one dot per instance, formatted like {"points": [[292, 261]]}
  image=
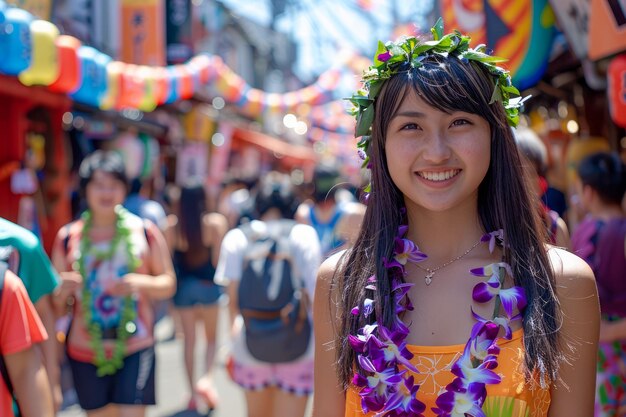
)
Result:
{"points": [[429, 278]]}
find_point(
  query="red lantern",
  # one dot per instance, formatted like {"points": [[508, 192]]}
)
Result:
{"points": [[617, 89], [185, 82], [69, 65]]}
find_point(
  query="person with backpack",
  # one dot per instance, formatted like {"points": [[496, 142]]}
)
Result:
{"points": [[23, 376], [600, 240], [113, 265], [270, 266]]}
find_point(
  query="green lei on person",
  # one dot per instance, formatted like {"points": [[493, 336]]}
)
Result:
{"points": [[126, 326]]}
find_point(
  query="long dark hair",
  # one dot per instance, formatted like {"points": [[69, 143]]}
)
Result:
{"points": [[505, 202], [192, 208]]}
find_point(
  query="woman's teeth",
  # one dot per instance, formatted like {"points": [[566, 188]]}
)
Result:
{"points": [[439, 176]]}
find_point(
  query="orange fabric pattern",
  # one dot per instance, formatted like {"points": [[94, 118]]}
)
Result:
{"points": [[512, 397]]}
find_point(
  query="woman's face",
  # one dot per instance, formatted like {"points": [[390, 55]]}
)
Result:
{"points": [[104, 192], [436, 159]]}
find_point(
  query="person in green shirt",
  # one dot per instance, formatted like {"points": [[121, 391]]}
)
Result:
{"points": [[27, 259]]}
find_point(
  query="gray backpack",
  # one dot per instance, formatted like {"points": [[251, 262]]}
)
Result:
{"points": [[271, 298]]}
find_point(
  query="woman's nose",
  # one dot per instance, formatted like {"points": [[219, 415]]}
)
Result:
{"points": [[437, 149]]}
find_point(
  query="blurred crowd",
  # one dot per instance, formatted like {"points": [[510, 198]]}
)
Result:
{"points": [[130, 257]]}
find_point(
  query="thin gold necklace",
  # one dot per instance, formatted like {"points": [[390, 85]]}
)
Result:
{"points": [[430, 272]]}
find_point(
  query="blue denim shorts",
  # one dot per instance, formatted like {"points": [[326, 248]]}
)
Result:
{"points": [[131, 385], [191, 291]]}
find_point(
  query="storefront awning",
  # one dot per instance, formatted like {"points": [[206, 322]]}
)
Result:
{"points": [[277, 146]]}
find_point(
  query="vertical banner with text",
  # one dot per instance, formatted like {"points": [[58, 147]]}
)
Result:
{"points": [[143, 34], [178, 20]]}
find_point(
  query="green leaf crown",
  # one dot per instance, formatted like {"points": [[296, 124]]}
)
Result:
{"points": [[393, 57]]}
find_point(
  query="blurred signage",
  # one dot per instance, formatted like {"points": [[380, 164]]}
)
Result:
{"points": [[192, 163], [178, 18], [607, 28], [573, 17], [39, 8], [142, 39]]}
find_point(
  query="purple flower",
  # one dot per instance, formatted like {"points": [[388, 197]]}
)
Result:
{"points": [[404, 400], [503, 322], [395, 350], [405, 250], [464, 368], [368, 308], [461, 401], [384, 57], [498, 269], [485, 291], [492, 237], [483, 340]]}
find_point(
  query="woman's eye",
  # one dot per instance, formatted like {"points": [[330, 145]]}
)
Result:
{"points": [[410, 126], [460, 122]]}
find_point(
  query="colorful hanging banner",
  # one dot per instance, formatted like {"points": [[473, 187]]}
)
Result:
{"points": [[509, 28], [39, 8], [142, 32], [607, 28]]}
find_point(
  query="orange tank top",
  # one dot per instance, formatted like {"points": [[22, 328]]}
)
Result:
{"points": [[512, 397]]}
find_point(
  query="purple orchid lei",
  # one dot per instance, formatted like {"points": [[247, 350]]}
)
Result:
{"points": [[387, 388]]}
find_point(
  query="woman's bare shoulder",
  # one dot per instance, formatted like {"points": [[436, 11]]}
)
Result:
{"points": [[330, 266], [572, 274]]}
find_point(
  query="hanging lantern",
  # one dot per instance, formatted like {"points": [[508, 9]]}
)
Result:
{"points": [[162, 85], [148, 100], [617, 89], [114, 71], [203, 65], [132, 92], [172, 76], [94, 82], [69, 65], [15, 41], [44, 63], [184, 82]]}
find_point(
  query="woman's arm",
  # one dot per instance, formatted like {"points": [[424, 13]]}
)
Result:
{"points": [[71, 281], [30, 383], [328, 395], [215, 227], [573, 395]]}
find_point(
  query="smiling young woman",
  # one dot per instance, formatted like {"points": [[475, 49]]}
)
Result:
{"points": [[451, 302]]}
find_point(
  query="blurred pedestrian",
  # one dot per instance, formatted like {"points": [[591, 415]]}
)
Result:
{"points": [[450, 303], [26, 258], [23, 373], [535, 156], [600, 240], [112, 265], [198, 236], [337, 223], [269, 265], [141, 205]]}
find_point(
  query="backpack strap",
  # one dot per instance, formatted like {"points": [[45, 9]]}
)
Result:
{"points": [[3, 368]]}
